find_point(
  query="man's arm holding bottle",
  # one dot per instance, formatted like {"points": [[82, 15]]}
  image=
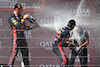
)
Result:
{"points": [[27, 16]]}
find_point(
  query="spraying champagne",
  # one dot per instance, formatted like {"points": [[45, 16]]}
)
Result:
{"points": [[32, 20]]}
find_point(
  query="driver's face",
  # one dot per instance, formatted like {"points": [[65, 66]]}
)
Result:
{"points": [[71, 27], [19, 10]]}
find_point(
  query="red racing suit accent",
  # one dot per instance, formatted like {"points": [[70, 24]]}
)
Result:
{"points": [[62, 53]]}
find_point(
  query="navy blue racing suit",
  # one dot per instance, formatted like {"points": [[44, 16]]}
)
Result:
{"points": [[59, 44], [18, 38]]}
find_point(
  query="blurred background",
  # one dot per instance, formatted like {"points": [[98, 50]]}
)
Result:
{"points": [[51, 15]]}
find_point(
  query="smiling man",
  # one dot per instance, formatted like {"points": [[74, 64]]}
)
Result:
{"points": [[17, 23]]}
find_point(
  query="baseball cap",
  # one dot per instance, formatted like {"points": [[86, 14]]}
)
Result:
{"points": [[71, 22], [18, 5]]}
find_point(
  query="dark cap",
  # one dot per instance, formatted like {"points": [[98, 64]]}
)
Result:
{"points": [[18, 5], [71, 22]]}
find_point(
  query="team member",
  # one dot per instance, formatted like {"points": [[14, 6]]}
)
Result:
{"points": [[81, 39], [60, 43], [17, 23]]}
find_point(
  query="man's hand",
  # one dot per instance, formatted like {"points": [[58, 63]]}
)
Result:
{"points": [[80, 47], [70, 39], [26, 16], [66, 40], [37, 25]]}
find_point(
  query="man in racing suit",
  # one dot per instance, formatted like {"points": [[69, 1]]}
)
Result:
{"points": [[81, 40], [60, 43], [17, 23]]}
